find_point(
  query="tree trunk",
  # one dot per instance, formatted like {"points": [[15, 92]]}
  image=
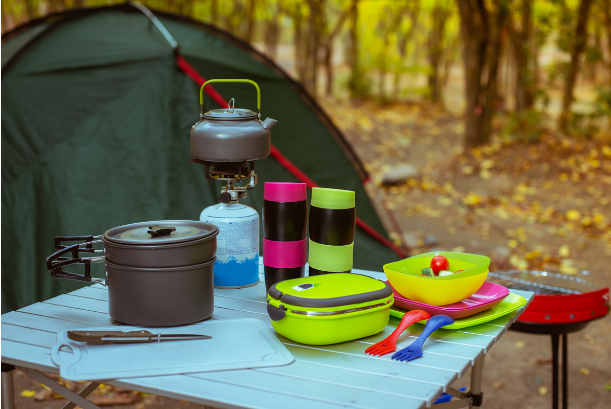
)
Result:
{"points": [[328, 49], [495, 49], [30, 9], [355, 81], [607, 9], [300, 63], [214, 12], [383, 68], [250, 21], [312, 47], [580, 43], [403, 45], [328, 61], [480, 77], [521, 45], [435, 46], [272, 33]]}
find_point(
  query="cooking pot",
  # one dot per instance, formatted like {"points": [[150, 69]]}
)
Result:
{"points": [[158, 273]]}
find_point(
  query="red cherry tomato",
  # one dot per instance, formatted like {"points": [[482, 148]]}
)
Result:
{"points": [[439, 263]]}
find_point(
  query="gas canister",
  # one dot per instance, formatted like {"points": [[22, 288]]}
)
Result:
{"points": [[237, 254]]}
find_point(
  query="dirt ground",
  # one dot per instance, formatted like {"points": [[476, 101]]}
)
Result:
{"points": [[540, 206]]}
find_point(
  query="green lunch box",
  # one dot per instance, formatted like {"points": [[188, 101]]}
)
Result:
{"points": [[329, 308]]}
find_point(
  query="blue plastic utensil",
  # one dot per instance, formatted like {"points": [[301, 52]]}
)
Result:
{"points": [[414, 350]]}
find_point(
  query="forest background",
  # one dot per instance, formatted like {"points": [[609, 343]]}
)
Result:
{"points": [[485, 125]]}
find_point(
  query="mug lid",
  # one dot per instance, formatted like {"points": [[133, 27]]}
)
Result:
{"points": [[285, 192], [326, 198], [161, 232]]}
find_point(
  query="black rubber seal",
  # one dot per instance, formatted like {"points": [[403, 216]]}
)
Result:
{"points": [[274, 292], [316, 272], [285, 221], [337, 301], [332, 227]]}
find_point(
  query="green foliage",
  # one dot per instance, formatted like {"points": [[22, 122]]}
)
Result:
{"points": [[586, 125], [526, 126]]}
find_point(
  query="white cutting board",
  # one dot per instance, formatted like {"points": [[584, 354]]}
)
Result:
{"points": [[235, 344]]}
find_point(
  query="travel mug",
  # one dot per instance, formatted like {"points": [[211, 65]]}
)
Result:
{"points": [[285, 217], [332, 225]]}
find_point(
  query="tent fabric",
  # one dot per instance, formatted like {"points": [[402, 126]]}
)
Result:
{"points": [[95, 134]]}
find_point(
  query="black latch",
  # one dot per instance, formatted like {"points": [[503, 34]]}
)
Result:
{"points": [[477, 399], [276, 313]]}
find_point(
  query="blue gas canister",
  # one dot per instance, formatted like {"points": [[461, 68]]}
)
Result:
{"points": [[237, 255]]}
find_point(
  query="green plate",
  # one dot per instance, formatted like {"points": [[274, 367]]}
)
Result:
{"points": [[511, 303]]}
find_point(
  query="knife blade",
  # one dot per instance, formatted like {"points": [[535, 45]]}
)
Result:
{"points": [[121, 337]]}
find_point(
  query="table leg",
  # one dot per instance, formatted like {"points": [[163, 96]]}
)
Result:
{"points": [[84, 393], [555, 341], [565, 375], [476, 383], [62, 390], [8, 391]]}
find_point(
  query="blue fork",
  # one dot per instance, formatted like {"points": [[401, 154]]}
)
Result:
{"points": [[415, 349]]}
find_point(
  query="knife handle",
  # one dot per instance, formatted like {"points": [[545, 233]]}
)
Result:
{"points": [[96, 336]]}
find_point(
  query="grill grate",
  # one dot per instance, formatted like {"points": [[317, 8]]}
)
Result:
{"points": [[541, 282]]}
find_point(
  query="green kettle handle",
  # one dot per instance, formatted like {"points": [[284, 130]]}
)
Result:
{"points": [[201, 94]]}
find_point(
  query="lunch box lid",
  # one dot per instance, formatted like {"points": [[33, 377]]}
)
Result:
{"points": [[330, 290], [161, 232]]}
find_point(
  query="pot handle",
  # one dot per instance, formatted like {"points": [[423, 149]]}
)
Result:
{"points": [[201, 94], [55, 262]]}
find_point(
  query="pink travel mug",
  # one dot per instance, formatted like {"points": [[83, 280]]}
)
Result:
{"points": [[285, 219]]}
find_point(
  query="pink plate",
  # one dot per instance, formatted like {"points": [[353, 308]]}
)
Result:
{"points": [[486, 297]]}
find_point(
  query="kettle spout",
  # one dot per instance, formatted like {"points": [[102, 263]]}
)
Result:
{"points": [[269, 123]]}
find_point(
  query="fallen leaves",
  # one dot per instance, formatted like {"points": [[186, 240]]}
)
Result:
{"points": [[584, 371], [27, 393], [544, 361], [564, 251], [542, 390]]}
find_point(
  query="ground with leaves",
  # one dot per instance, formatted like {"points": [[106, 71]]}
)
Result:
{"points": [[540, 206]]}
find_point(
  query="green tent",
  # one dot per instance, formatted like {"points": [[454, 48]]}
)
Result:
{"points": [[96, 117]]}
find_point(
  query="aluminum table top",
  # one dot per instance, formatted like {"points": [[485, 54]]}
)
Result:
{"points": [[332, 376]]}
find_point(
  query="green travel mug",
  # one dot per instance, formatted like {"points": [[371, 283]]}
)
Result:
{"points": [[332, 225]]}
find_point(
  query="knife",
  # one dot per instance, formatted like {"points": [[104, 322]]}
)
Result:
{"points": [[120, 337]]}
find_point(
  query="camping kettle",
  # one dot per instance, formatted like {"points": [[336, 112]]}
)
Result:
{"points": [[231, 134]]}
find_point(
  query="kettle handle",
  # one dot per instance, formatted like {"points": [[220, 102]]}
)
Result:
{"points": [[201, 94]]}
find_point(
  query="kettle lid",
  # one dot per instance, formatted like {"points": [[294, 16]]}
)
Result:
{"points": [[230, 114]]}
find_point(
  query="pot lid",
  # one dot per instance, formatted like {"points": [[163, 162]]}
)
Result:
{"points": [[161, 232], [230, 114]]}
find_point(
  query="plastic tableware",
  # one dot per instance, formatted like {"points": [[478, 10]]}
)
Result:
{"points": [[406, 277], [486, 297], [414, 350], [511, 303], [389, 344]]}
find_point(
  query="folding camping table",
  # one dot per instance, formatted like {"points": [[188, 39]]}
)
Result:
{"points": [[324, 377]]}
